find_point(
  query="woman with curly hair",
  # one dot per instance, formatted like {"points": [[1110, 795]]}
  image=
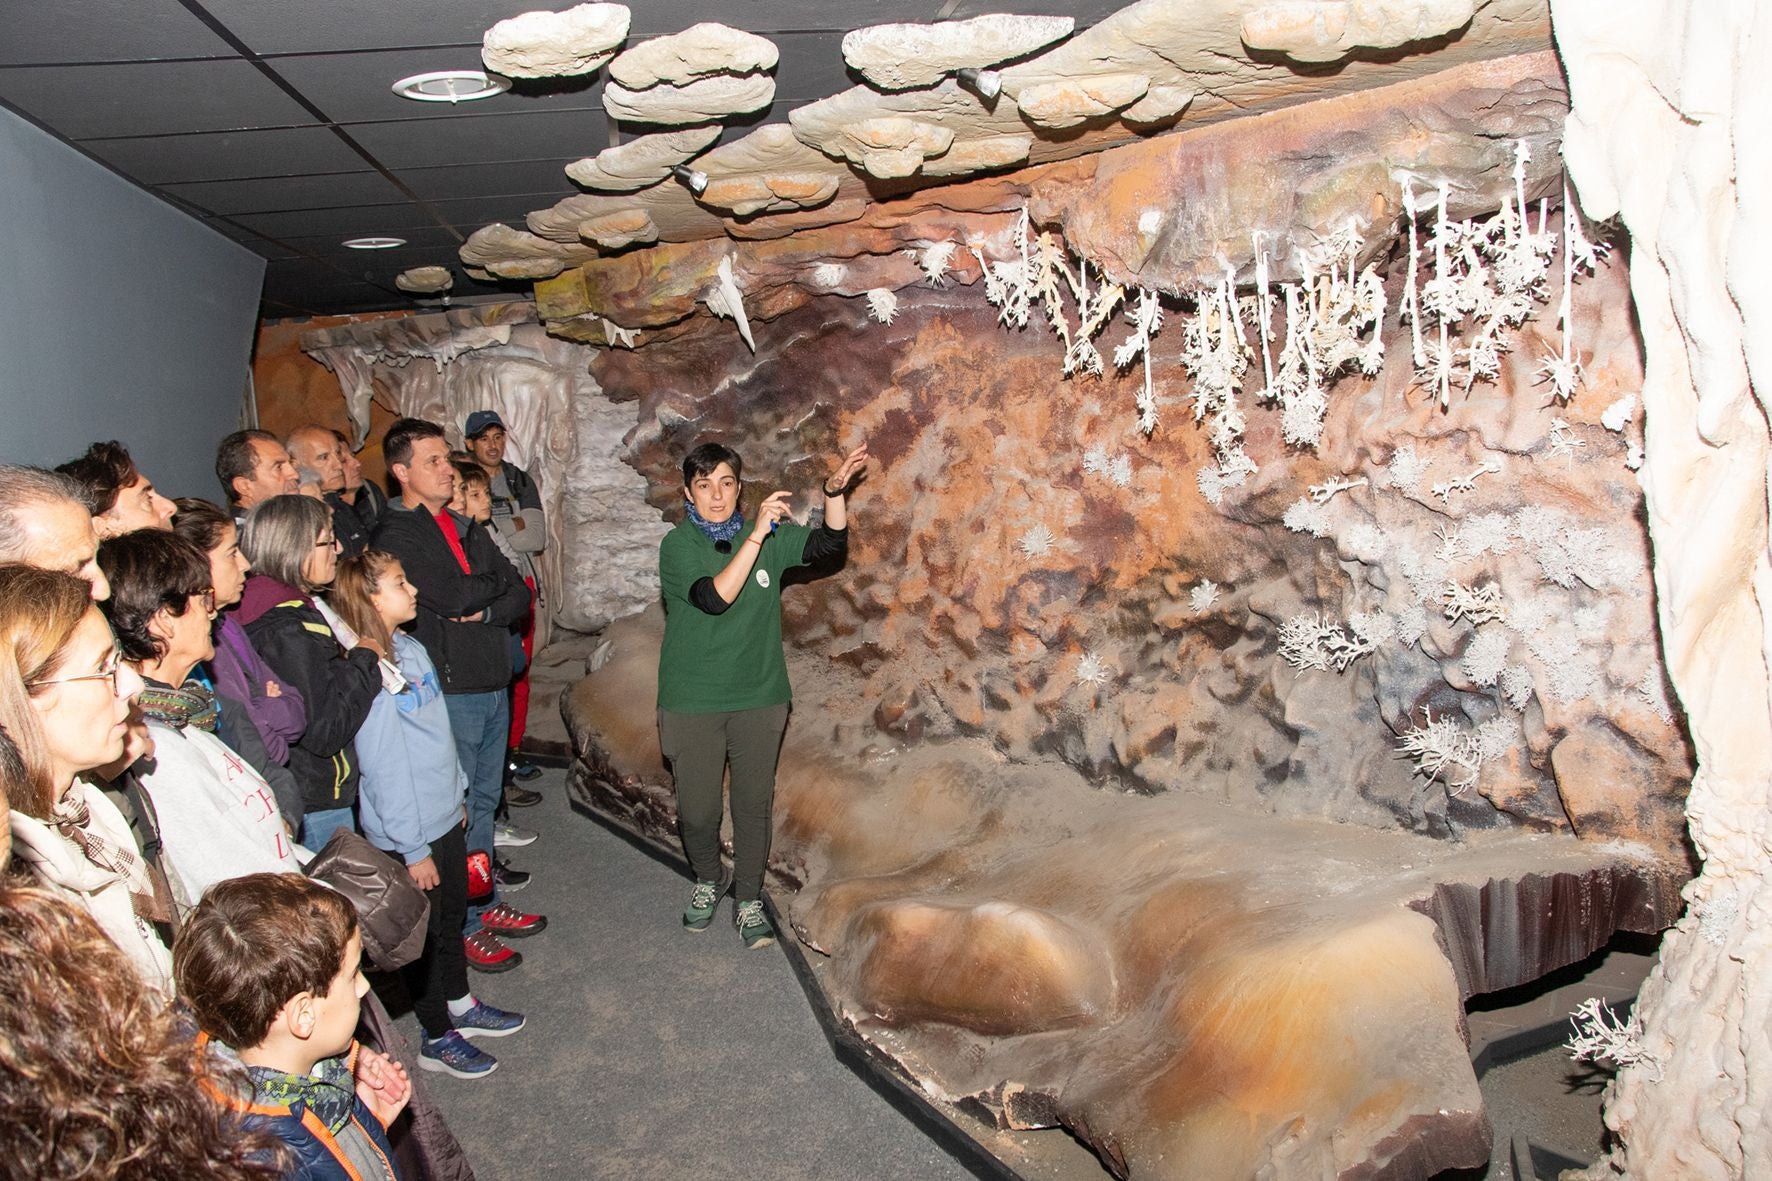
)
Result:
{"points": [[65, 695], [96, 1082]]}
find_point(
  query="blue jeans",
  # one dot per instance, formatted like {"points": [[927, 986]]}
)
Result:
{"points": [[317, 827], [480, 723]]}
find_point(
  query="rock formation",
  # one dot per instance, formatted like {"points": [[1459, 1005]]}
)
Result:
{"points": [[902, 56], [553, 44], [1663, 136], [643, 162], [425, 280]]}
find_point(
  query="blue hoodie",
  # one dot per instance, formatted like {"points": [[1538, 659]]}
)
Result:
{"points": [[412, 788]]}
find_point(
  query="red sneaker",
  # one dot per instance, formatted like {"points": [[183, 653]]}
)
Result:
{"points": [[486, 954], [508, 922]]}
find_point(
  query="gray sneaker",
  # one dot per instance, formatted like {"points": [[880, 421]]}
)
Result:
{"points": [[753, 925], [704, 900]]}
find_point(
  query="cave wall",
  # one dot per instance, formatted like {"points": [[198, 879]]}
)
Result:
{"points": [[1665, 135]]}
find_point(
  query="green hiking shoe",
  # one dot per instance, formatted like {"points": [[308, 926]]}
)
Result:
{"points": [[704, 900], [753, 925]]}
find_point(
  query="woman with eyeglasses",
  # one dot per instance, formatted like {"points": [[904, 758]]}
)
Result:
{"points": [[289, 541], [216, 817], [64, 700]]}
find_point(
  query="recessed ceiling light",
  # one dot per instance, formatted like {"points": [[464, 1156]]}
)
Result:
{"points": [[373, 243], [451, 86]]}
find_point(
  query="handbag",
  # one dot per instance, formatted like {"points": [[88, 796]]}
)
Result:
{"points": [[393, 914]]}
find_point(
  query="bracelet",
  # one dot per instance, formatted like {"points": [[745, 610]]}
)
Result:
{"points": [[838, 492], [753, 537]]}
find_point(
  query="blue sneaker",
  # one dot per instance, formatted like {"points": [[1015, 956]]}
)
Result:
{"points": [[454, 1054], [485, 1021]]}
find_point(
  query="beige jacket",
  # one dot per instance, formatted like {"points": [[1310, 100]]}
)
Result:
{"points": [[59, 867]]}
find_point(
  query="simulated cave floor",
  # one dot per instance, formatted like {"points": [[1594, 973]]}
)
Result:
{"points": [[628, 1069]]}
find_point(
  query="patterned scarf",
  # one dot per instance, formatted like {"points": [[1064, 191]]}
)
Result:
{"points": [[329, 1092], [725, 531], [192, 704], [148, 892]]}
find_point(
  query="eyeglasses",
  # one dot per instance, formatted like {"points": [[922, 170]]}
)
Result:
{"points": [[329, 543], [106, 672], [207, 598]]}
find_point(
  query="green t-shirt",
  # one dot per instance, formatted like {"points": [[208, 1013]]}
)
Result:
{"points": [[733, 660]]}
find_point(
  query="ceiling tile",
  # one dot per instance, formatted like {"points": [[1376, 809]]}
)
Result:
{"points": [[288, 192], [491, 180], [105, 30], [355, 87], [773, 16], [227, 155], [418, 239], [350, 221], [480, 139], [150, 98], [811, 67], [319, 26]]}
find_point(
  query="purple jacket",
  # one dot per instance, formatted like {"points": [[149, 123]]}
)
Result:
{"points": [[241, 674]]}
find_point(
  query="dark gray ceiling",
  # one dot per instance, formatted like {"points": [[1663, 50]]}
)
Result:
{"points": [[272, 120]]}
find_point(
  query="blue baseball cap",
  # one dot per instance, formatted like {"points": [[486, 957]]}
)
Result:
{"points": [[480, 420]]}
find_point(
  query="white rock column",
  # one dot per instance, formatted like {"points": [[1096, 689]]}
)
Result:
{"points": [[1667, 132]]}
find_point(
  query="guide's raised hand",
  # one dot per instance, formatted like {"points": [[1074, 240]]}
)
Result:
{"points": [[854, 464], [770, 513]]}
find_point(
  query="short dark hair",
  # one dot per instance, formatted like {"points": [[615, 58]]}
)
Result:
{"points": [[396, 445], [704, 459], [103, 471], [253, 943], [279, 535], [149, 570], [472, 473], [235, 459], [201, 522]]}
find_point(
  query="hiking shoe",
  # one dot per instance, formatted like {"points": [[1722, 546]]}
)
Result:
{"points": [[507, 921], [454, 1054], [704, 900], [522, 772], [485, 1021], [521, 797], [509, 878], [486, 954], [511, 836], [753, 925]]}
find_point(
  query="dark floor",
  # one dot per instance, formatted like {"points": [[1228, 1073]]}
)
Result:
{"points": [[655, 1053]]}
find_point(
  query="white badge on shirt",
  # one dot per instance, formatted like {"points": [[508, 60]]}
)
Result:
{"points": [[763, 579]]}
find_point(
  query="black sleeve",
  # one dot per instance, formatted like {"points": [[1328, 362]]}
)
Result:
{"points": [[513, 601], [704, 596], [337, 687], [826, 548]]}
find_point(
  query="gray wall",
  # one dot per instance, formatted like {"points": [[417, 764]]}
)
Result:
{"points": [[120, 317]]}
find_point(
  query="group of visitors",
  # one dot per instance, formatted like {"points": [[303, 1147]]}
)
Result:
{"points": [[197, 699], [194, 699]]}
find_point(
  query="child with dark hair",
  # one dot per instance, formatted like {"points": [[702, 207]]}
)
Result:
{"points": [[271, 966], [411, 803]]}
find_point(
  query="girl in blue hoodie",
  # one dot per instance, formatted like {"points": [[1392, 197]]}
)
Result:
{"points": [[410, 802]]}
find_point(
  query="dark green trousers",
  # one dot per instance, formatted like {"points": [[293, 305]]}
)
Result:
{"points": [[700, 747]]}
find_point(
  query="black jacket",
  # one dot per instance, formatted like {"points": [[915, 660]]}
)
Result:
{"points": [[347, 526], [337, 687], [470, 657]]}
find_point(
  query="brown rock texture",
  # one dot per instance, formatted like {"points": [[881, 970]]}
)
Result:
{"points": [[1194, 991]]}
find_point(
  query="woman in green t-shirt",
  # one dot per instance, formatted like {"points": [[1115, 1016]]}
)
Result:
{"points": [[723, 689]]}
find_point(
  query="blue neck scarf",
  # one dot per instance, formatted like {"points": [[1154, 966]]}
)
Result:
{"points": [[724, 531]]}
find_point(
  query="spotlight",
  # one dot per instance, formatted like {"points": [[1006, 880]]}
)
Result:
{"points": [[986, 84], [695, 180]]}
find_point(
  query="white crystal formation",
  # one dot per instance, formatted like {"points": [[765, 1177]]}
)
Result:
{"points": [[555, 44], [903, 56]]}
